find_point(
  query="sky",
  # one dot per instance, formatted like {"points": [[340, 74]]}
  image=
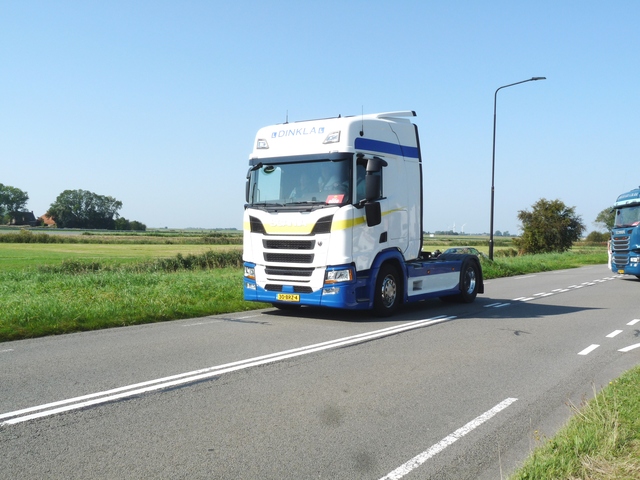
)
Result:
{"points": [[157, 103]]}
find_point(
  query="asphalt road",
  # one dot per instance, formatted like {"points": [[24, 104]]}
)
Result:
{"points": [[440, 391]]}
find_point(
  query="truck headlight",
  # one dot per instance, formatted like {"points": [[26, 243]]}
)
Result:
{"points": [[335, 276], [250, 272], [634, 259]]}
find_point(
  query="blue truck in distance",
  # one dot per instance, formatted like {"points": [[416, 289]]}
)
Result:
{"points": [[625, 235]]}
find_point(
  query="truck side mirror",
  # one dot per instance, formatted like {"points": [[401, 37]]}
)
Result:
{"points": [[372, 179], [372, 187], [373, 213]]}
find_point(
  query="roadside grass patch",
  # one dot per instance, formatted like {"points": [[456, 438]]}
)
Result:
{"points": [[600, 442], [79, 295], [509, 266]]}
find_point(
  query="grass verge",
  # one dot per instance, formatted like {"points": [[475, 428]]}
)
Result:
{"points": [[600, 442], [77, 295]]}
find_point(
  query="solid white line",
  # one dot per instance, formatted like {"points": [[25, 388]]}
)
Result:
{"points": [[634, 321], [7, 350], [629, 348], [588, 350], [614, 333], [180, 379], [418, 460]]}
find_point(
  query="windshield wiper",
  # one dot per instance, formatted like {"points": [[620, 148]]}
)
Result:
{"points": [[306, 202], [267, 204]]}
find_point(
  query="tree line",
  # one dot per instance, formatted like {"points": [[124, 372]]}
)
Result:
{"points": [[71, 209]]}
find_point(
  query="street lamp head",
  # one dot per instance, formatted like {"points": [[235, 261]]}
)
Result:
{"points": [[539, 78]]}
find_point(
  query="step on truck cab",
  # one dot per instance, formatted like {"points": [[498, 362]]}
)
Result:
{"points": [[333, 218], [625, 235]]}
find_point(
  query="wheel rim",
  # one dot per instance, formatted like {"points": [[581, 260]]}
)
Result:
{"points": [[388, 291], [470, 280]]}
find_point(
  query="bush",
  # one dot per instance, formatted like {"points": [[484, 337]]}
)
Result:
{"points": [[597, 237], [551, 226]]}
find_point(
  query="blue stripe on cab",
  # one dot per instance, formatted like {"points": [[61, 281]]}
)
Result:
{"points": [[385, 147]]}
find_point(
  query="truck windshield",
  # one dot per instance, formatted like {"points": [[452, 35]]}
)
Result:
{"points": [[319, 182], [628, 217]]}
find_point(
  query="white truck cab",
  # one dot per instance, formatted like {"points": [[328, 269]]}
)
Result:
{"points": [[333, 217]]}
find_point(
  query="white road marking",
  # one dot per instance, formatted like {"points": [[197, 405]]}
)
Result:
{"points": [[7, 350], [629, 348], [588, 350], [614, 333], [53, 408], [418, 460], [633, 322]]}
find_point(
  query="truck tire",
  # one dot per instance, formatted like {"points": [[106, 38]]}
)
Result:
{"points": [[469, 282], [388, 292]]}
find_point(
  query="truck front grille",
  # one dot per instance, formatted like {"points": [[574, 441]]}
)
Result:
{"points": [[278, 288], [289, 244], [620, 260], [288, 257], [289, 271], [620, 243]]}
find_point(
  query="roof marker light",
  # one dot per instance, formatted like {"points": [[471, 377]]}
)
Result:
{"points": [[262, 144]]}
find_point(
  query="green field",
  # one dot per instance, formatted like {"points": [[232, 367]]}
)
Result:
{"points": [[17, 256]]}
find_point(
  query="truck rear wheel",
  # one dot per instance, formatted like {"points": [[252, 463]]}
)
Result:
{"points": [[387, 294]]}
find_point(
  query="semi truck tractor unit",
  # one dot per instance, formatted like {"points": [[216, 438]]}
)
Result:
{"points": [[625, 235], [333, 218]]}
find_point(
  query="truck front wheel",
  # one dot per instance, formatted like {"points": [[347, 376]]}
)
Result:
{"points": [[469, 282], [387, 293]]}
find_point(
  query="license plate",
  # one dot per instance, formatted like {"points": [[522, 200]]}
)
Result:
{"points": [[288, 297], [620, 271]]}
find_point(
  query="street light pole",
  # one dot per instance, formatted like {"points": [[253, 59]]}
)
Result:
{"points": [[493, 158]]}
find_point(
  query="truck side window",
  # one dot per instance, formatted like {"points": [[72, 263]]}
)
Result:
{"points": [[360, 185]]}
